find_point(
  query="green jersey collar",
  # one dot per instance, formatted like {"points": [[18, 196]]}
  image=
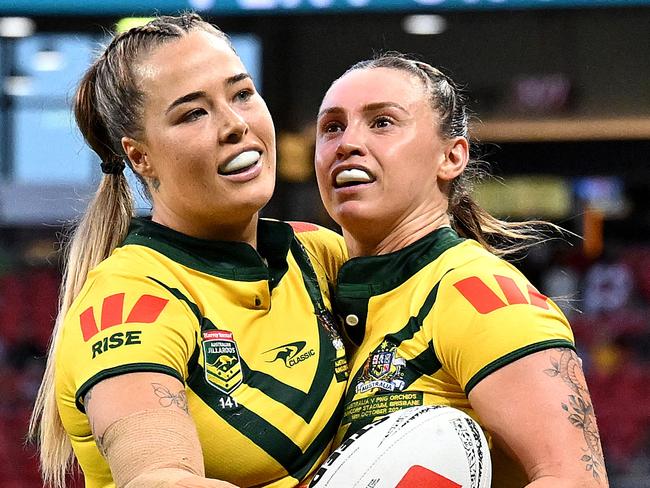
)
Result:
{"points": [[225, 259], [366, 276]]}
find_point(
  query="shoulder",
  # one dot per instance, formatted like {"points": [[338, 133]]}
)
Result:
{"points": [[308, 230], [130, 282], [485, 282], [470, 259], [318, 239], [325, 248]]}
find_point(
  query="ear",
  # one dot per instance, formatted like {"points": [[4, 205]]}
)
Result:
{"points": [[137, 154], [456, 159]]}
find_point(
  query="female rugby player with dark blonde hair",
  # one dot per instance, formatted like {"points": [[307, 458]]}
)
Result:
{"points": [[436, 314], [195, 347]]}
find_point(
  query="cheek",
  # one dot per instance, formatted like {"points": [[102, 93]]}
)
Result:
{"points": [[321, 174], [260, 120], [323, 156]]}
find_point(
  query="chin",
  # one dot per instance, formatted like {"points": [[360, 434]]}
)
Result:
{"points": [[256, 197], [253, 206], [353, 217]]}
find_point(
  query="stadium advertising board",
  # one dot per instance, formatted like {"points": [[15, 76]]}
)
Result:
{"points": [[233, 7]]}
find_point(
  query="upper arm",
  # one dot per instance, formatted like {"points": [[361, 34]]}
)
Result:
{"points": [[123, 325], [488, 315], [120, 396], [142, 427], [539, 410]]}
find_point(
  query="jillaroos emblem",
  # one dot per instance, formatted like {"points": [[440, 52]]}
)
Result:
{"points": [[221, 361]]}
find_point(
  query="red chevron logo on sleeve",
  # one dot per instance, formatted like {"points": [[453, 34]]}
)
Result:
{"points": [[299, 227], [484, 300], [145, 311]]}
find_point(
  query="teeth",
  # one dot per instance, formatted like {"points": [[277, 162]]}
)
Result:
{"points": [[245, 159], [353, 176]]}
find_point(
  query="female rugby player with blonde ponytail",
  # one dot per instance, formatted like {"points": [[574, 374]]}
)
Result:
{"points": [[194, 348]]}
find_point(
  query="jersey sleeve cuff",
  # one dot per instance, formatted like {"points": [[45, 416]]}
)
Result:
{"points": [[513, 356], [122, 369]]}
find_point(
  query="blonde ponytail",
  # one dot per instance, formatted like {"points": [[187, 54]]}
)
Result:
{"points": [[108, 105], [101, 229]]}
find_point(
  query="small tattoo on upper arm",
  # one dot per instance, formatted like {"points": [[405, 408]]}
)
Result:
{"points": [[581, 412], [167, 398], [99, 439]]}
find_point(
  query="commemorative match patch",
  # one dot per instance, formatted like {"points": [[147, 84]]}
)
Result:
{"points": [[221, 361], [384, 370]]}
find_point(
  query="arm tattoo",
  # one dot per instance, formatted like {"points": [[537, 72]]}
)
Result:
{"points": [[167, 398], [99, 439], [580, 409]]}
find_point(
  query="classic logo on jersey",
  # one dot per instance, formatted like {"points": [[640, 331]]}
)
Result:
{"points": [[145, 311], [484, 300], [221, 361], [384, 369], [290, 353]]}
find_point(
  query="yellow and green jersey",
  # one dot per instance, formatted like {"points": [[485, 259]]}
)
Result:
{"points": [[253, 342], [431, 321]]}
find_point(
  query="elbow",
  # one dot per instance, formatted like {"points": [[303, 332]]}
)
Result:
{"points": [[576, 480]]}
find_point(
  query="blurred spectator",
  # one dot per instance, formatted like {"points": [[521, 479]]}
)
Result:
{"points": [[608, 286], [621, 394]]}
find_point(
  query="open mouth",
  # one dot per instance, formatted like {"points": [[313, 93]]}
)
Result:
{"points": [[240, 163], [352, 177]]}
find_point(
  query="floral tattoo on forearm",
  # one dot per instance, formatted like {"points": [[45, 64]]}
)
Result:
{"points": [[167, 398], [580, 409]]}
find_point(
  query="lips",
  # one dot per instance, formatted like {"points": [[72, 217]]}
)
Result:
{"points": [[352, 176], [240, 163]]}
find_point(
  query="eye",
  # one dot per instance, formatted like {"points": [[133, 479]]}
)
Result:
{"points": [[244, 95], [331, 127], [382, 122], [193, 115]]}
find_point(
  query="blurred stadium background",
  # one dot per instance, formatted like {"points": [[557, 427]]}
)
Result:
{"points": [[562, 100]]}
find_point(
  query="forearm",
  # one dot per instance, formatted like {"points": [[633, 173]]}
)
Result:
{"points": [[174, 478], [556, 482], [156, 449], [538, 411]]}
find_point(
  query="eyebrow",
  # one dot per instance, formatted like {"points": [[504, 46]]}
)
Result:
{"points": [[370, 107], [202, 94]]}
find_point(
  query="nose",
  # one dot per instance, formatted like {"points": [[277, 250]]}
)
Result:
{"points": [[350, 144], [348, 149], [232, 126]]}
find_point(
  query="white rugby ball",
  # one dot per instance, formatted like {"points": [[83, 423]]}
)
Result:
{"points": [[426, 446]]}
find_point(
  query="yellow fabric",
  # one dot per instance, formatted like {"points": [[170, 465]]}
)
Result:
{"points": [[454, 314], [258, 364]]}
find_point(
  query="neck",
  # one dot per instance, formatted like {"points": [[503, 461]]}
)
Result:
{"points": [[401, 235], [245, 231]]}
